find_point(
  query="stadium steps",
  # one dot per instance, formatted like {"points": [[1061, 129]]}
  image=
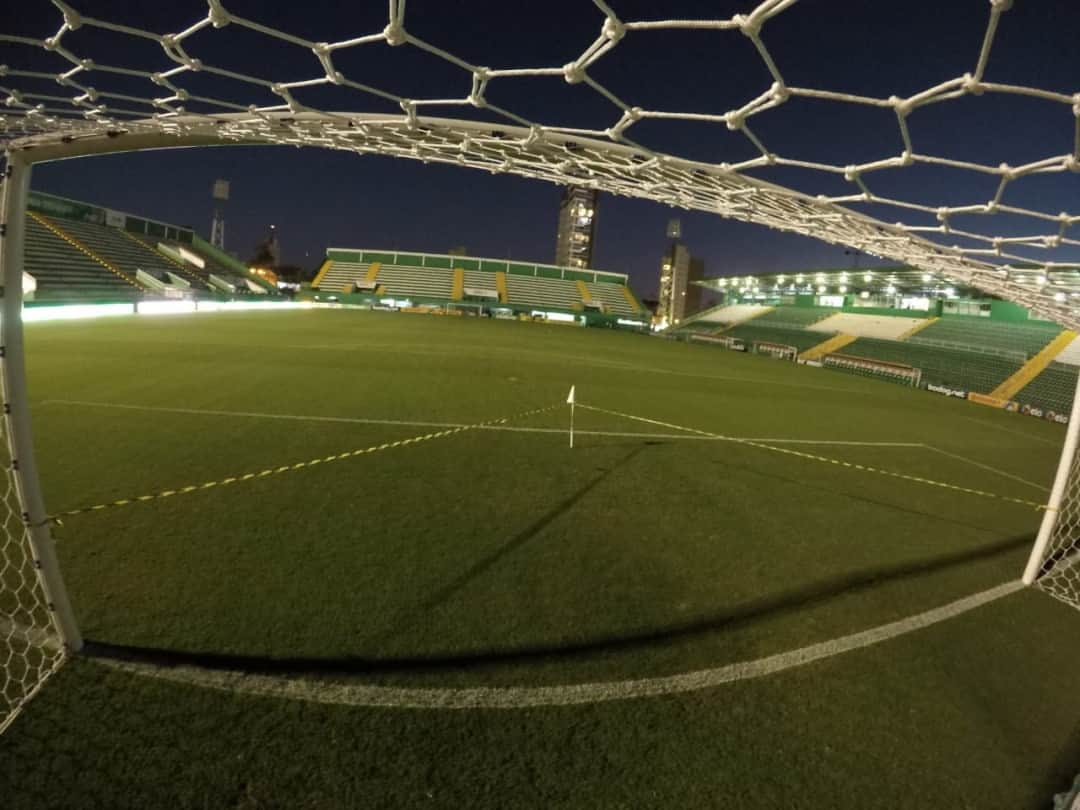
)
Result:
{"points": [[631, 299], [457, 290], [979, 333], [885, 327], [62, 271], [750, 316], [372, 272], [542, 292], [500, 286], [583, 291], [834, 343], [78, 244], [1033, 367], [326, 265], [186, 272], [1052, 390], [616, 298], [794, 316], [757, 332], [952, 367], [918, 328]]}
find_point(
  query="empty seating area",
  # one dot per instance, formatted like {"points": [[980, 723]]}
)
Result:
{"points": [[801, 339], [884, 327], [983, 333], [956, 368], [1051, 390], [63, 271], [732, 313], [342, 275], [419, 282], [198, 276], [611, 296], [123, 252], [542, 292], [795, 316]]}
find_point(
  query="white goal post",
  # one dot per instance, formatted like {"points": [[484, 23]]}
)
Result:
{"points": [[37, 626], [1054, 564]]}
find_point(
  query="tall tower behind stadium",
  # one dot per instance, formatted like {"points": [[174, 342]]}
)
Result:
{"points": [[577, 227], [677, 297]]}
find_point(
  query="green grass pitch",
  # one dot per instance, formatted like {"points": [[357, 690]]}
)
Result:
{"points": [[501, 558]]}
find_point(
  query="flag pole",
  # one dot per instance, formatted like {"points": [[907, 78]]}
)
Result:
{"points": [[571, 400]]}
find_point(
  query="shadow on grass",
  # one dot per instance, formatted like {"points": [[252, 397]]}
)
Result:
{"points": [[767, 607]]}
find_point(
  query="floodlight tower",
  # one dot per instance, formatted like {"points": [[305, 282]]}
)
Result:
{"points": [[217, 224]]}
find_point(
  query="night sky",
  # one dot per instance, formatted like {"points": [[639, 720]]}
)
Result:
{"points": [[319, 198]]}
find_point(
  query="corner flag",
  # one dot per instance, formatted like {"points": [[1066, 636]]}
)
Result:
{"points": [[570, 402]]}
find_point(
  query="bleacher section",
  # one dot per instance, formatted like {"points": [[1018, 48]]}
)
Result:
{"points": [[955, 368], [1071, 354], [342, 275], [129, 255], [541, 292], [611, 296], [480, 280], [801, 339], [727, 315], [202, 274], [794, 316], [885, 327], [62, 271], [1052, 390], [420, 282], [984, 333]]}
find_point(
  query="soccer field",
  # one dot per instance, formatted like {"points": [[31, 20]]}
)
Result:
{"points": [[779, 591]]}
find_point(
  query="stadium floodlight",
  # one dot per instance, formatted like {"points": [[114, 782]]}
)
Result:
{"points": [[95, 107]]}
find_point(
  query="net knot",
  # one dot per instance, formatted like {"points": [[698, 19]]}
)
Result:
{"points": [[395, 33], [573, 73]]}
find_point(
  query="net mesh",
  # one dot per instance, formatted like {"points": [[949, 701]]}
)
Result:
{"points": [[30, 648], [1059, 574], [80, 98]]}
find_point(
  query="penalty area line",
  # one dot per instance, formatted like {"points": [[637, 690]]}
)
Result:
{"points": [[361, 420], [523, 697]]}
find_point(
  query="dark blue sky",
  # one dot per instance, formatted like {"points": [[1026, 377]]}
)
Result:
{"points": [[320, 198]]}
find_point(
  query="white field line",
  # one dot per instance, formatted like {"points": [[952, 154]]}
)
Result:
{"points": [[410, 423], [1024, 433], [979, 464], [519, 697]]}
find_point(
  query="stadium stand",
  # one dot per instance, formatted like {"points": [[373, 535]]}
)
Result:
{"points": [[63, 271], [1070, 355], [417, 282], [983, 333], [752, 332], [122, 251], [798, 316], [885, 327], [955, 367], [725, 315], [612, 297], [537, 291], [199, 276], [1052, 390]]}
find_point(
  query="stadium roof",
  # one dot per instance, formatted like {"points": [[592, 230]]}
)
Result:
{"points": [[901, 280]]}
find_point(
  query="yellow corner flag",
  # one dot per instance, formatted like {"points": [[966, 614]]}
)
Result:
{"points": [[570, 398]]}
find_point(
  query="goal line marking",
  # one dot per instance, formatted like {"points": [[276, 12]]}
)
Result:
{"points": [[521, 697]]}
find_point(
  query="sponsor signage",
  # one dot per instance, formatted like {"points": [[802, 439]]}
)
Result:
{"points": [[947, 391]]}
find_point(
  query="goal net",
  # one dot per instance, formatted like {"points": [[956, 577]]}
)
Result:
{"points": [[781, 351], [90, 85], [869, 367]]}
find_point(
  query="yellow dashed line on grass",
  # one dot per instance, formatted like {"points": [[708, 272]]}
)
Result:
{"points": [[827, 460], [300, 465]]}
